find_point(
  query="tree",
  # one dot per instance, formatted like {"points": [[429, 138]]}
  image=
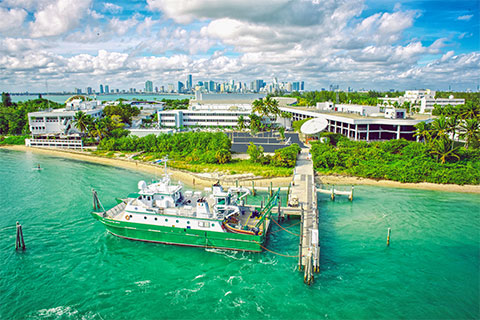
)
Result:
{"points": [[472, 132], [441, 147], [255, 153], [440, 127], [81, 120], [255, 123], [241, 122], [6, 99], [281, 130], [470, 110], [423, 131], [223, 156]]}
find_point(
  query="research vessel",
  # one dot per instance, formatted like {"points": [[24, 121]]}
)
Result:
{"points": [[162, 212]]}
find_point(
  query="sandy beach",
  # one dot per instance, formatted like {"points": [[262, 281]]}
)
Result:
{"points": [[206, 180], [189, 178]]}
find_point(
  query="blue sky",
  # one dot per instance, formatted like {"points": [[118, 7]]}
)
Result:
{"points": [[357, 43]]}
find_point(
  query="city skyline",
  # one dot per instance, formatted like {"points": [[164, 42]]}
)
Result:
{"points": [[353, 43]]}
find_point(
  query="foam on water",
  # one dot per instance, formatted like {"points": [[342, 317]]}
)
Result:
{"points": [[74, 269]]}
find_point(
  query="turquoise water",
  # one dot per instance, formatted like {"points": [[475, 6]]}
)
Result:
{"points": [[61, 98], [73, 269]]}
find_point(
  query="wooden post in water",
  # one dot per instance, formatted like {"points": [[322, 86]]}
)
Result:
{"points": [[350, 197], [19, 242], [388, 237], [333, 193], [279, 205], [300, 242], [253, 188], [288, 192], [271, 189]]}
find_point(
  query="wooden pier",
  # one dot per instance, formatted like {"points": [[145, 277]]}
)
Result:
{"points": [[303, 193]]}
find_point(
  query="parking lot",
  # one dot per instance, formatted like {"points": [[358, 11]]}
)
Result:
{"points": [[270, 141]]}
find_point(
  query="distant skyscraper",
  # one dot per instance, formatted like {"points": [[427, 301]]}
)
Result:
{"points": [[89, 90], [258, 85], [180, 87], [148, 86], [189, 82], [211, 86], [107, 89], [78, 91], [296, 86], [302, 86], [101, 88]]}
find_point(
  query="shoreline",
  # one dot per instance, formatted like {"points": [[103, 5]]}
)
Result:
{"points": [[201, 180], [189, 178]]}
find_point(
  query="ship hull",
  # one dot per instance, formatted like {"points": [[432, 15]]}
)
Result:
{"points": [[183, 237]]}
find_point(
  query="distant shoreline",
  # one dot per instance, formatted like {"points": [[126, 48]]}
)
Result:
{"points": [[194, 179]]}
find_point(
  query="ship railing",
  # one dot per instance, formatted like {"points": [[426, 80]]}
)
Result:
{"points": [[113, 212]]}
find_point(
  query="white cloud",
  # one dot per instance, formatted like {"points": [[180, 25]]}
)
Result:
{"points": [[113, 8], [466, 17], [59, 17], [121, 27], [11, 19]]}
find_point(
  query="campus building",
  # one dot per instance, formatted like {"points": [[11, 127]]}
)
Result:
{"points": [[362, 125], [55, 128], [424, 99]]}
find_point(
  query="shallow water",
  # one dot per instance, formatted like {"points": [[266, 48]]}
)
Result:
{"points": [[73, 269]]}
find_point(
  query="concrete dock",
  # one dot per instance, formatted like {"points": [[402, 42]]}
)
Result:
{"points": [[303, 194]]}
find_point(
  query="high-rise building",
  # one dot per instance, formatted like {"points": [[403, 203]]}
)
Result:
{"points": [[211, 86], [302, 86], [89, 90], [78, 91], [148, 86], [107, 89], [189, 82], [296, 86], [101, 88], [180, 87], [259, 84]]}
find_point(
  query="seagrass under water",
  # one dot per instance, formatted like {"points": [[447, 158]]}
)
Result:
{"points": [[73, 269]]}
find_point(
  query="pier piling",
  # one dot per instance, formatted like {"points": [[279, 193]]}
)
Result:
{"points": [[253, 189], [388, 236], [19, 242]]}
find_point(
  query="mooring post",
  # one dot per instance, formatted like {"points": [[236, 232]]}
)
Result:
{"points": [[271, 189], [300, 242], [333, 193], [253, 188], [279, 205], [388, 237], [350, 197], [19, 242]]}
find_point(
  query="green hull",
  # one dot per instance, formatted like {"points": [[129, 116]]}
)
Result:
{"points": [[185, 237]]}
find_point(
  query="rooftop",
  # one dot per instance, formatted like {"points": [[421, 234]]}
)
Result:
{"points": [[415, 116]]}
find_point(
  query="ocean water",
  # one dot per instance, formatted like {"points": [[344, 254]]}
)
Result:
{"points": [[74, 269], [61, 98]]}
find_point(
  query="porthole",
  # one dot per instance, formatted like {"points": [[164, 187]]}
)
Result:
{"points": [[177, 221], [166, 220], [156, 219], [188, 222], [213, 224], [145, 218]]}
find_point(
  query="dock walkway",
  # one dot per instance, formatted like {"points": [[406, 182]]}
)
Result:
{"points": [[303, 190]]}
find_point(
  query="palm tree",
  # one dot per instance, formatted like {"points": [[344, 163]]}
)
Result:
{"points": [[472, 131], [441, 148], [440, 127], [271, 107], [423, 131], [470, 110], [258, 107], [99, 129], [81, 120], [241, 122]]}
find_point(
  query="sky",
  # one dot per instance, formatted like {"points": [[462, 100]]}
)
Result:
{"points": [[380, 45]]}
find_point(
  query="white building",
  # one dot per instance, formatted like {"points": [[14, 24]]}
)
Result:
{"points": [[358, 127], [423, 98], [55, 128]]}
